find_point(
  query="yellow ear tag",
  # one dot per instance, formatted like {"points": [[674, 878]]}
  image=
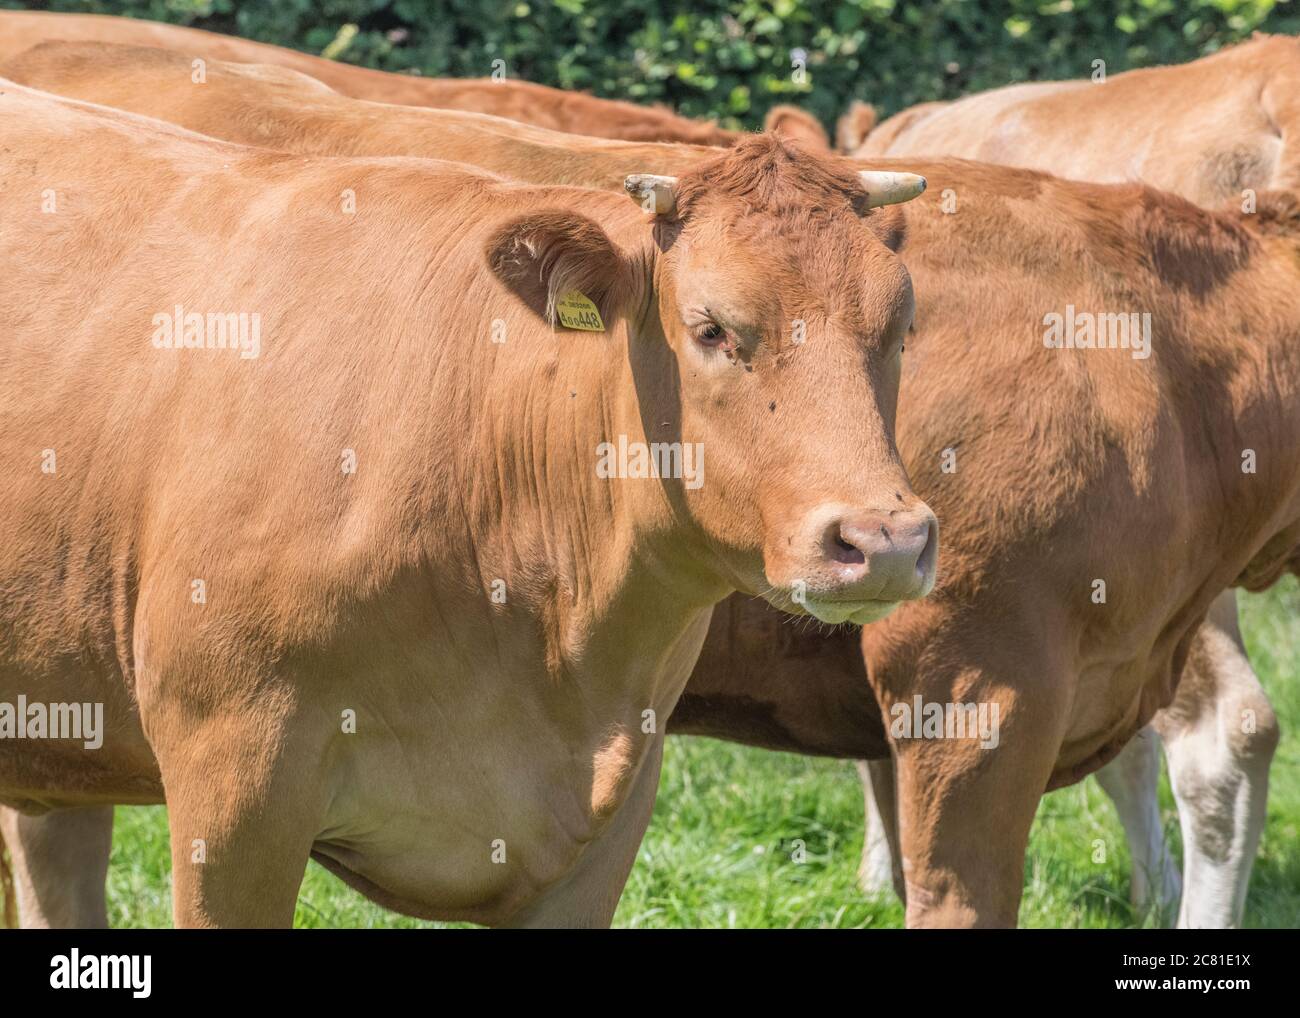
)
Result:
{"points": [[577, 312]]}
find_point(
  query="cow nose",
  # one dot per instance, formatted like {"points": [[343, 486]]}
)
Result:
{"points": [[890, 555]]}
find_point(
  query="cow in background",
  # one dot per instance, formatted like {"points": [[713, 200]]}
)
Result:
{"points": [[1208, 130], [526, 102], [1218, 131]]}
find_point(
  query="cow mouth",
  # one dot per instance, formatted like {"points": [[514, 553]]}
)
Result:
{"points": [[833, 612], [858, 612]]}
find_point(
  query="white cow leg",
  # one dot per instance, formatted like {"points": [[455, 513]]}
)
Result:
{"points": [[881, 868], [1220, 734], [60, 862], [1131, 780], [588, 896]]}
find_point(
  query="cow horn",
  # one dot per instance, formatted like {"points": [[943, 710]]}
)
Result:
{"points": [[886, 188], [652, 192]]}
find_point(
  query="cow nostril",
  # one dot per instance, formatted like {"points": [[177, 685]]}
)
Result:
{"points": [[843, 551], [869, 556]]}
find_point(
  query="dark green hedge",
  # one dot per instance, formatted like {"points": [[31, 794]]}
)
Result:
{"points": [[732, 59]]}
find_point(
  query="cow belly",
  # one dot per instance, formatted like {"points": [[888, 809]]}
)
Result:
{"points": [[468, 796], [477, 843]]}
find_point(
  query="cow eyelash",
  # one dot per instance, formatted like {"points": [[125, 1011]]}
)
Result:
{"points": [[711, 334]]}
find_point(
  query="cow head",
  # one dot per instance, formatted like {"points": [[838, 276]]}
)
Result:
{"points": [[767, 320]]}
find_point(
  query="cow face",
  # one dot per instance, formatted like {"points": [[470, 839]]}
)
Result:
{"points": [[786, 310], [766, 325]]}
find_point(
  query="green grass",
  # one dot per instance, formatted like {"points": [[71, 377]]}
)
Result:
{"points": [[729, 820]]}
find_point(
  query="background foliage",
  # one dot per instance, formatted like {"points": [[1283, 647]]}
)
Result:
{"points": [[732, 59]]}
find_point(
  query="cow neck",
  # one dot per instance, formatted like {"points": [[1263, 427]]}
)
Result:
{"points": [[587, 555]]}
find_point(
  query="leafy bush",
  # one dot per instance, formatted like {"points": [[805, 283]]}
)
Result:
{"points": [[732, 59]]}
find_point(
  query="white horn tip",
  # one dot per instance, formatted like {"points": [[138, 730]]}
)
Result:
{"points": [[888, 188], [652, 192]]}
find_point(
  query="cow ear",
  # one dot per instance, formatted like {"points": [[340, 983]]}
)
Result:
{"points": [[890, 225], [544, 257], [852, 129], [797, 125]]}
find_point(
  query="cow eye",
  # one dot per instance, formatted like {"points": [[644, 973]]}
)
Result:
{"points": [[712, 334]]}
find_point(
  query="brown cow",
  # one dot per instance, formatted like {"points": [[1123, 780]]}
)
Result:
{"points": [[256, 104], [1122, 445], [1207, 130], [1214, 131], [521, 101], [357, 555], [524, 101]]}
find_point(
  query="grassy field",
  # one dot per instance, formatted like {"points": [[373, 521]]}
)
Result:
{"points": [[719, 852]]}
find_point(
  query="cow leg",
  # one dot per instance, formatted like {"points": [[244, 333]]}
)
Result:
{"points": [[234, 864], [881, 868], [60, 863], [588, 896], [967, 799], [1220, 734], [1131, 780], [964, 826], [245, 801]]}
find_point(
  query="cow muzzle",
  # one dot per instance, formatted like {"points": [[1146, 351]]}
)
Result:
{"points": [[856, 566]]}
